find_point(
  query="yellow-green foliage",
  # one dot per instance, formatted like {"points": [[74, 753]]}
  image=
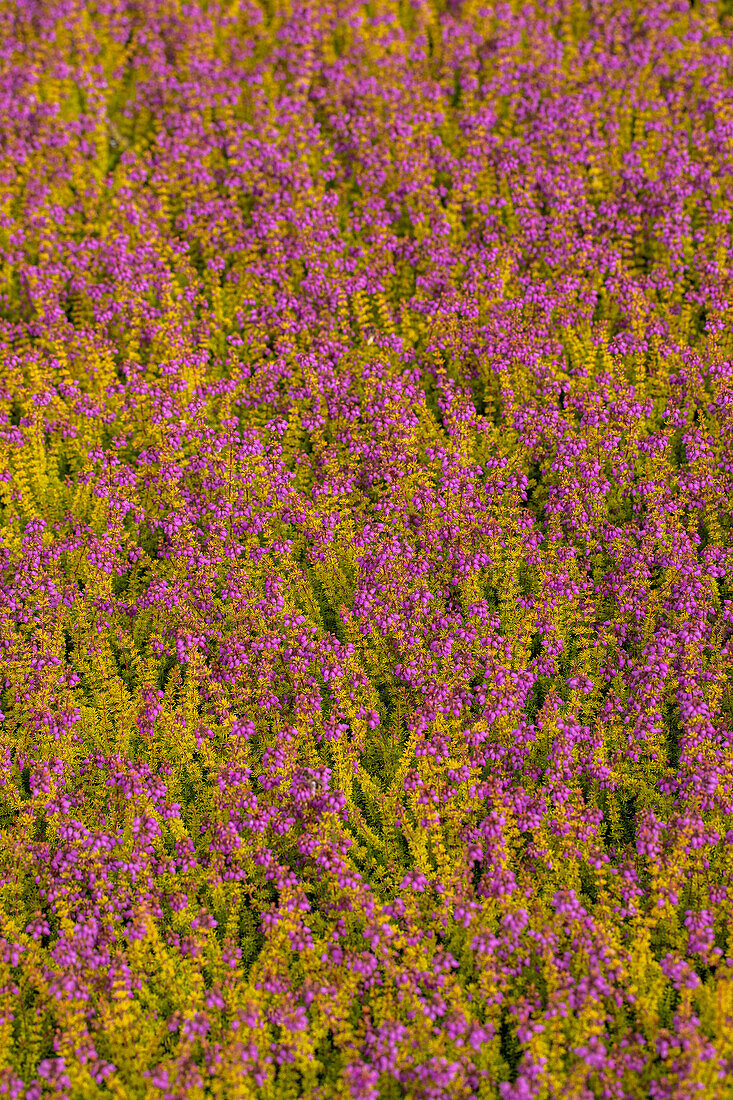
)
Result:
{"points": [[365, 511]]}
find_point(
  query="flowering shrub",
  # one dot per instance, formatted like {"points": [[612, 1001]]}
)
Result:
{"points": [[366, 569]]}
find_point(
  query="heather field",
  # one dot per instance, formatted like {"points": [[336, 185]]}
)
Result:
{"points": [[366, 550]]}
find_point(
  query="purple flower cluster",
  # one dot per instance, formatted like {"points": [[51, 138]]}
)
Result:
{"points": [[366, 569]]}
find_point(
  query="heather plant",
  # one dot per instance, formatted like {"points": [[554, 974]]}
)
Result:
{"points": [[365, 535]]}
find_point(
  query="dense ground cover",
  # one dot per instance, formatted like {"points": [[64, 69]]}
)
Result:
{"points": [[366, 445]]}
